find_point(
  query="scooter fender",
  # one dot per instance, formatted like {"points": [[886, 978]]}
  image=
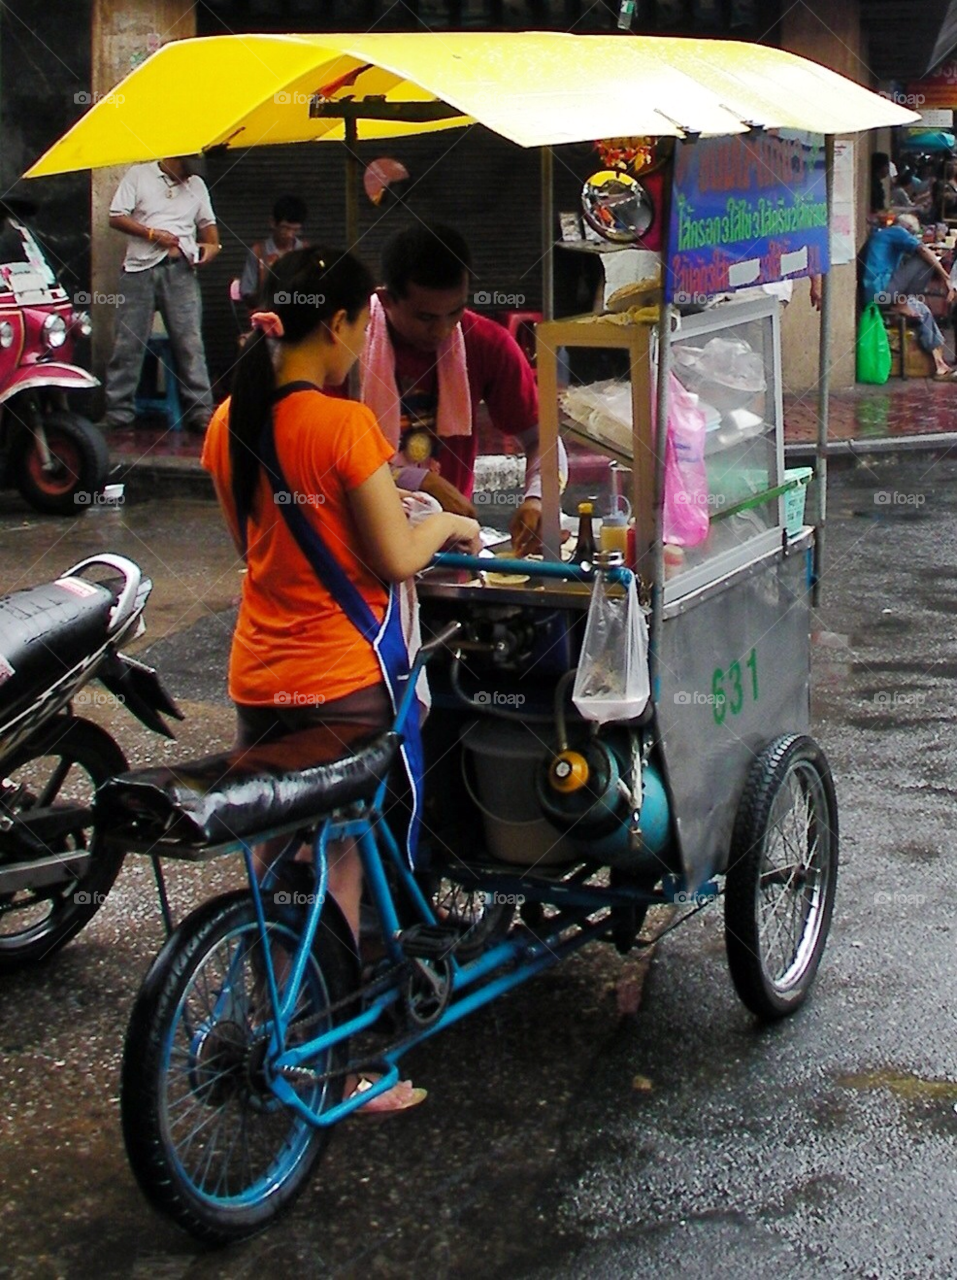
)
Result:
{"points": [[48, 374], [140, 690]]}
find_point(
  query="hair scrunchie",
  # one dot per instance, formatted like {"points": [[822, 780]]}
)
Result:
{"points": [[268, 322]]}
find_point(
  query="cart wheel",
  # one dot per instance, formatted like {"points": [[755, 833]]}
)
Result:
{"points": [[782, 876]]}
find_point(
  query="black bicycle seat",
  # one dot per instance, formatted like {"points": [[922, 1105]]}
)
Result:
{"points": [[241, 793]]}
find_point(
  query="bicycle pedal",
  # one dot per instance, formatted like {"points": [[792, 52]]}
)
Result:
{"points": [[429, 941]]}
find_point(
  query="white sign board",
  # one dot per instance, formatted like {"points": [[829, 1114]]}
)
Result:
{"points": [[842, 205], [937, 118]]}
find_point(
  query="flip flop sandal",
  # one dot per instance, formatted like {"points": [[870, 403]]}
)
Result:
{"points": [[401, 1097]]}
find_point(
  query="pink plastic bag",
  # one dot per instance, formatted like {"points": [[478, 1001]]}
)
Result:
{"points": [[686, 507]]}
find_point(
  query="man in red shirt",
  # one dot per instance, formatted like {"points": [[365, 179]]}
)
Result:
{"points": [[433, 363]]}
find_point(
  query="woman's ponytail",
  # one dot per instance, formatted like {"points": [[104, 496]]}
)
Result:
{"points": [[254, 384]]}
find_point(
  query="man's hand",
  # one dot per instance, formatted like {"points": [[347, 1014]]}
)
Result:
{"points": [[164, 238], [447, 495], [525, 527]]}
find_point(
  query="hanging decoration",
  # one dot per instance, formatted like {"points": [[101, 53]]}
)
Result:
{"points": [[635, 154]]}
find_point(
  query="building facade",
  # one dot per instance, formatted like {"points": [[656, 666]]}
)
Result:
{"points": [[53, 63]]}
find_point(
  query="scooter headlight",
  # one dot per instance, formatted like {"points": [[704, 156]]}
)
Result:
{"points": [[54, 332], [82, 323], [7, 335]]}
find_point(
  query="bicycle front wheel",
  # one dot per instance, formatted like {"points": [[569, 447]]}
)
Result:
{"points": [[210, 1144]]}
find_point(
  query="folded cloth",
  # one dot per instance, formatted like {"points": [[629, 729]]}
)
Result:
{"points": [[381, 393], [417, 507]]}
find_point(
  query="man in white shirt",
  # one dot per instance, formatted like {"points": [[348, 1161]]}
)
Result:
{"points": [[165, 211]]}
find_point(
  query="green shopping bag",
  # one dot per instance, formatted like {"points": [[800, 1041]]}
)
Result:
{"points": [[873, 347]]}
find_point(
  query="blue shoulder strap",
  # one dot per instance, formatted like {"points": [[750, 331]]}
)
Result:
{"points": [[327, 569]]}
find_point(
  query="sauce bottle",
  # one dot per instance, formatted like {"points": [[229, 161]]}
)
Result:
{"points": [[585, 546]]}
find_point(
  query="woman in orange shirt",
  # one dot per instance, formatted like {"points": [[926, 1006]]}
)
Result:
{"points": [[304, 482]]}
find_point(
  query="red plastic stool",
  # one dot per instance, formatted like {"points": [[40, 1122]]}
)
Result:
{"points": [[521, 325]]}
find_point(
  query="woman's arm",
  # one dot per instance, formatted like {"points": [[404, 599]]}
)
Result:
{"points": [[394, 549]]}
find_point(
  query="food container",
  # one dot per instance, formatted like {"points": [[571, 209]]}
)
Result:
{"points": [[794, 499]]}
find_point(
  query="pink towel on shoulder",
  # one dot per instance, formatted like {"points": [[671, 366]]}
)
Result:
{"points": [[380, 391]]}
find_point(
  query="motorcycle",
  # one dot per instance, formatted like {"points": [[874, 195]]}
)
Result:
{"points": [[55, 639], [57, 459]]}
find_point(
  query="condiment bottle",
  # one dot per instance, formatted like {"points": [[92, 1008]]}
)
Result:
{"points": [[614, 533], [585, 546]]}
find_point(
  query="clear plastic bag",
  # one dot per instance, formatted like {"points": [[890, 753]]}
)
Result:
{"points": [[612, 682]]}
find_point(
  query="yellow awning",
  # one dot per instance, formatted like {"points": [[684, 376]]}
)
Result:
{"points": [[534, 88]]}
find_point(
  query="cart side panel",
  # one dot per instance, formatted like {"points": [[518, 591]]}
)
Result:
{"points": [[734, 673]]}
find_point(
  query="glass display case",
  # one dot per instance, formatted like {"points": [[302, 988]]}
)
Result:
{"points": [[724, 501]]}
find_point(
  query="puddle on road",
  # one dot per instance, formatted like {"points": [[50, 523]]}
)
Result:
{"points": [[904, 1084]]}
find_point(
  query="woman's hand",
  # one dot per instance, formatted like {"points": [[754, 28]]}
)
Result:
{"points": [[465, 536]]}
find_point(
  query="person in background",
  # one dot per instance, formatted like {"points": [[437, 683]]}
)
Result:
{"points": [[896, 267], [164, 209], [880, 169], [904, 190], [948, 190], [430, 362], [285, 234]]}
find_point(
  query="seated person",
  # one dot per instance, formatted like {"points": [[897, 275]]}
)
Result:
{"points": [[896, 267], [288, 216]]}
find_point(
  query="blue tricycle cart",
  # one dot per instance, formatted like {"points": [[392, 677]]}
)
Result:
{"points": [[542, 830]]}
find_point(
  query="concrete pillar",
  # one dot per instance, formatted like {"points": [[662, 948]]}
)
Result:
{"points": [[828, 33], [124, 33]]}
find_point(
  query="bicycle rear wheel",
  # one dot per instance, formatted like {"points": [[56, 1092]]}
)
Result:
{"points": [[210, 1144]]}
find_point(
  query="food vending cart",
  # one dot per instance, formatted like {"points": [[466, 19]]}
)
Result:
{"points": [[546, 827]]}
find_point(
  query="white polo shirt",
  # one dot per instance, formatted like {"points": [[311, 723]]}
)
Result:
{"points": [[147, 194]]}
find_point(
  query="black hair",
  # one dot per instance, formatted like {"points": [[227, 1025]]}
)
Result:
{"points": [[433, 257], [305, 289], [290, 209]]}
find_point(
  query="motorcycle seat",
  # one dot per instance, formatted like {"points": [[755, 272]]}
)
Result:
{"points": [[243, 793], [45, 632]]}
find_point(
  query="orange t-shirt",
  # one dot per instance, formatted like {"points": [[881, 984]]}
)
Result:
{"points": [[293, 644]]}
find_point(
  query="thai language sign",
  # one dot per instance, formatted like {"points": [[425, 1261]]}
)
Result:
{"points": [[939, 89], [746, 210]]}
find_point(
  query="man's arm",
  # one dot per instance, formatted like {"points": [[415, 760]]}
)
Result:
{"points": [[208, 240], [525, 526], [932, 260], [126, 223]]}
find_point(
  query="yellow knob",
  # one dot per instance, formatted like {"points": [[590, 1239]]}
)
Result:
{"points": [[568, 772]]}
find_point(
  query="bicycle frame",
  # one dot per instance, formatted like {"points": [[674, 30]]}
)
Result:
{"points": [[521, 957]]}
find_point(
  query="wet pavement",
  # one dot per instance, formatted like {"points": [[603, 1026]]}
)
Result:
{"points": [[561, 1139]]}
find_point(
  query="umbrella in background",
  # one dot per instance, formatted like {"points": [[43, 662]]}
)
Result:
{"points": [[930, 140]]}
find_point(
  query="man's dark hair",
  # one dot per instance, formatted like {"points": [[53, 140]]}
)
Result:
{"points": [[432, 257], [289, 209]]}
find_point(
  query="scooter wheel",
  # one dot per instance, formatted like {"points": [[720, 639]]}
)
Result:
{"points": [[79, 465]]}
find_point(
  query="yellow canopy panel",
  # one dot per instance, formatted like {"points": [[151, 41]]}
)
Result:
{"points": [[534, 88]]}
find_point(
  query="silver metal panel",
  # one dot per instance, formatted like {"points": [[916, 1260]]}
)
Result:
{"points": [[746, 639]]}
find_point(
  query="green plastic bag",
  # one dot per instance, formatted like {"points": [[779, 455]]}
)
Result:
{"points": [[873, 347]]}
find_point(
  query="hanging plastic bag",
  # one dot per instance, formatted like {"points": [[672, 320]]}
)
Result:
{"points": [[612, 682], [873, 347], [686, 507]]}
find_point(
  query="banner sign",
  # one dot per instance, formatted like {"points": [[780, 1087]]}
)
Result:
{"points": [[939, 89], [746, 210]]}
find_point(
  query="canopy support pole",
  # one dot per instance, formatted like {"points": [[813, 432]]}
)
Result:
{"points": [[352, 184], [662, 407], [548, 234], [823, 388], [551, 491]]}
